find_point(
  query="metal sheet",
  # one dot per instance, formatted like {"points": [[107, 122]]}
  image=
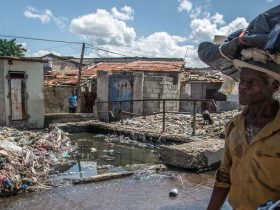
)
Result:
{"points": [[120, 88]]}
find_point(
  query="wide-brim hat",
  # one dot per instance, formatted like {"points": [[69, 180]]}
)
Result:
{"points": [[265, 64], [270, 68]]}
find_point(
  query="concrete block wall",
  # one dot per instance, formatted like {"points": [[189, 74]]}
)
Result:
{"points": [[185, 93], [151, 90], [102, 109], [170, 91], [156, 87], [57, 99], [138, 86]]}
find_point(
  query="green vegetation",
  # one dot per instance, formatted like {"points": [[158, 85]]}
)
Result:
{"points": [[11, 48]]}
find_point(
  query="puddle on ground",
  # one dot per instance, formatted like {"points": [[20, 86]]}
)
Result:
{"points": [[141, 191], [96, 156]]}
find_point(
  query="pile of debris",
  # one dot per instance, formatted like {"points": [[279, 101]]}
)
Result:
{"points": [[182, 124], [26, 158]]}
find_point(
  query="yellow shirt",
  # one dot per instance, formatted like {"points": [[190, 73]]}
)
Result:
{"points": [[251, 171]]}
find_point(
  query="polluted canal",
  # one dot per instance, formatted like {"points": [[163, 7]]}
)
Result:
{"points": [[147, 188]]}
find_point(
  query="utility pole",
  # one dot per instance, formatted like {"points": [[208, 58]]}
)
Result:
{"points": [[80, 69]]}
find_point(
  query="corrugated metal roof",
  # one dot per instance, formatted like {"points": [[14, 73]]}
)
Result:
{"points": [[70, 76], [152, 66]]}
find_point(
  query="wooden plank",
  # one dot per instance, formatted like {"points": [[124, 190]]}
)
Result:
{"points": [[101, 177]]}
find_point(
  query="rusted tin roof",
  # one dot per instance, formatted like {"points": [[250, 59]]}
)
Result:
{"points": [[167, 65], [151, 66]]}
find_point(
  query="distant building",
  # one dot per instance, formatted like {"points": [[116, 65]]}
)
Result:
{"points": [[137, 80], [57, 63], [21, 92]]}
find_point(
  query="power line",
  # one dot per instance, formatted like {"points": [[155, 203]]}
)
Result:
{"points": [[98, 48], [38, 39], [68, 42]]}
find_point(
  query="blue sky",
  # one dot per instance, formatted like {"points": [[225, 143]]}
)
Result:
{"points": [[151, 28]]}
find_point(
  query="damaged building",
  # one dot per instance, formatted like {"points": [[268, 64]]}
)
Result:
{"points": [[21, 92], [148, 80], [138, 80]]}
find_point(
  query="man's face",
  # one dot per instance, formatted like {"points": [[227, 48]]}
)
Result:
{"points": [[253, 87]]}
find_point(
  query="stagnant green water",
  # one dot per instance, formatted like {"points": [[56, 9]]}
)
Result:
{"points": [[143, 191]]}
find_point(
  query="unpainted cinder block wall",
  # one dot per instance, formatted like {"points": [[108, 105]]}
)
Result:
{"points": [[160, 87]]}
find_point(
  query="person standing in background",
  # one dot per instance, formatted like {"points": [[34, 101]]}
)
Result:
{"points": [[73, 102]]}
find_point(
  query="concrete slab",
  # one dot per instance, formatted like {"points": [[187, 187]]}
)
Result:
{"points": [[197, 155]]}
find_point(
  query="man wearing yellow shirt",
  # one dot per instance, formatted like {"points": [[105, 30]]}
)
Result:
{"points": [[249, 174]]}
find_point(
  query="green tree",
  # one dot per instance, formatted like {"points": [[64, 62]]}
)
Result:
{"points": [[11, 48]]}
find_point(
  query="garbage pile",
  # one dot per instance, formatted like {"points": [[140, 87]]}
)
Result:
{"points": [[111, 139], [26, 158], [182, 123]]}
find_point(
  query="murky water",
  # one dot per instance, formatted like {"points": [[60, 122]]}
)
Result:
{"points": [[140, 191], [95, 156]]}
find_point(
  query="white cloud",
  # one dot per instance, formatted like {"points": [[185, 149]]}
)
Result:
{"points": [[192, 59], [195, 12], [184, 5], [125, 14], [45, 16], [202, 29], [160, 44], [238, 23], [218, 19], [108, 30], [104, 28], [205, 29]]}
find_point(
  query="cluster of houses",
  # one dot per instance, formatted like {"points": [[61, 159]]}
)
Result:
{"points": [[33, 87]]}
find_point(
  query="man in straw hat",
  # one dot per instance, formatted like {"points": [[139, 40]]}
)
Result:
{"points": [[249, 174]]}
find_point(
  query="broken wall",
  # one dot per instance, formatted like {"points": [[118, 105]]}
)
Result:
{"points": [[57, 98]]}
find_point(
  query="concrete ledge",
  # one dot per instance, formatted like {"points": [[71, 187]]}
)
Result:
{"points": [[67, 117], [197, 155], [140, 135]]}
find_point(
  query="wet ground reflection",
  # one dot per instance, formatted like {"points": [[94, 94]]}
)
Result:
{"points": [[140, 191], [128, 193]]}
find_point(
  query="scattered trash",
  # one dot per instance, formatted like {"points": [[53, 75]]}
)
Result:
{"points": [[26, 158], [179, 124], [110, 139], [173, 192], [93, 150]]}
